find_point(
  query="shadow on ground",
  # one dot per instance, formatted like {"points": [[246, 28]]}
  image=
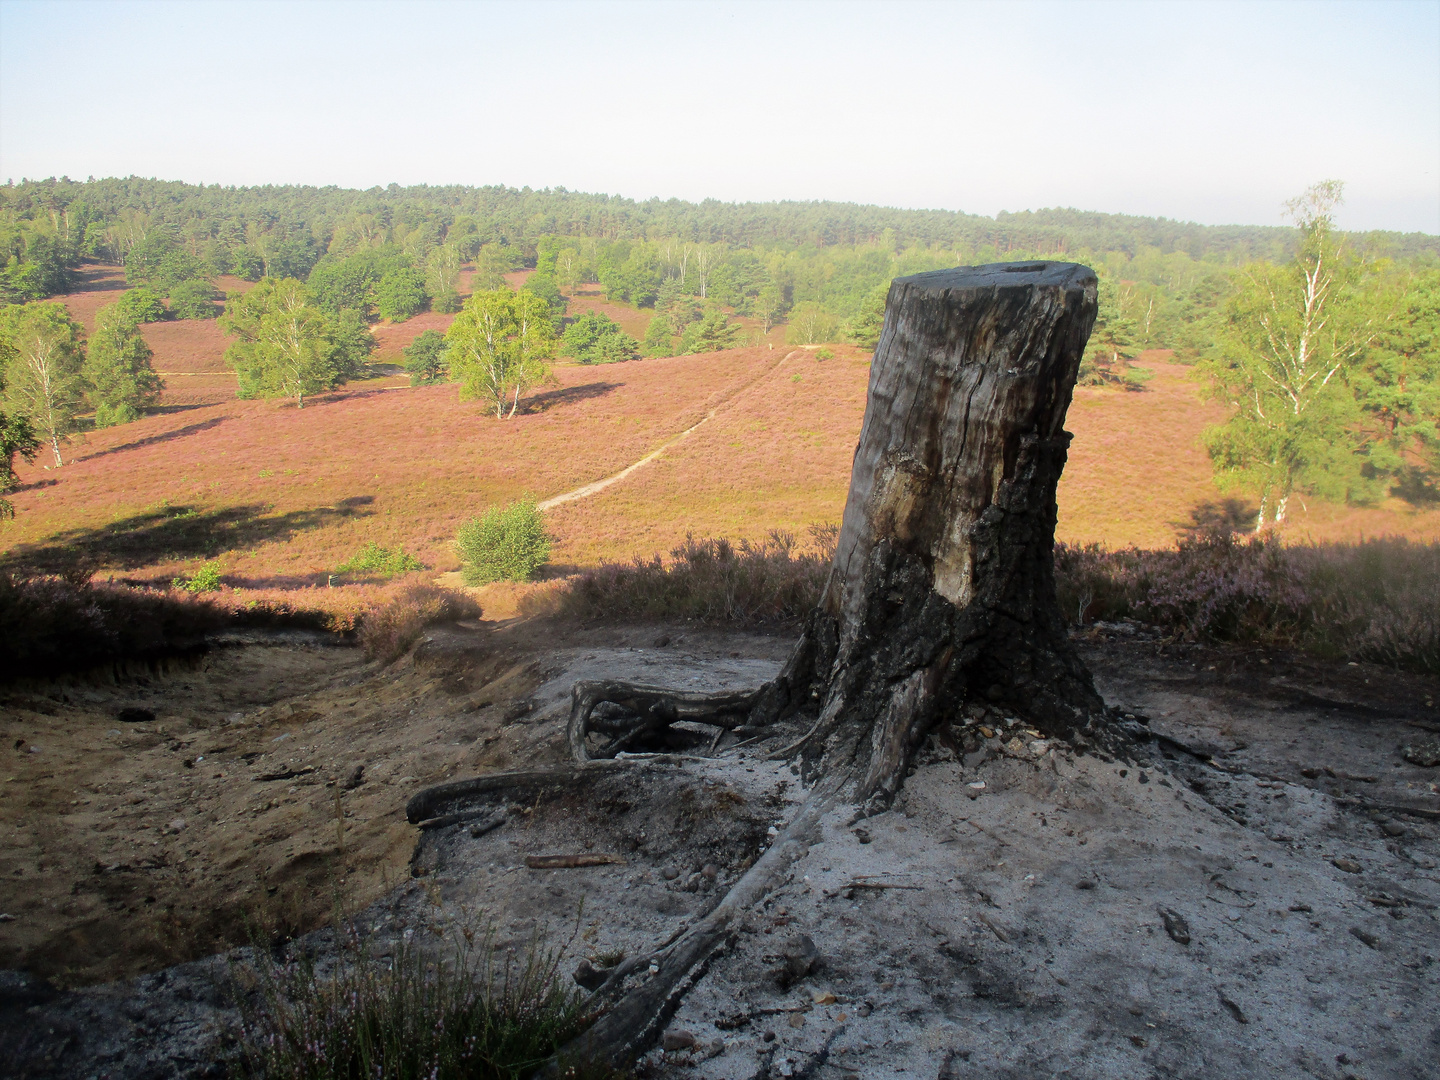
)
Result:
{"points": [[569, 396], [162, 437], [174, 532]]}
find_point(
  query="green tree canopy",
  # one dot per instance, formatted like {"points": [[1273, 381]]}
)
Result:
{"points": [[1290, 336], [193, 299], [286, 346], [142, 305], [42, 350], [498, 345], [425, 359], [595, 338], [117, 368], [400, 294], [659, 341], [713, 332]]}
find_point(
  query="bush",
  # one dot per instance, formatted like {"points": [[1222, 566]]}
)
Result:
{"points": [[824, 354], [713, 581], [386, 633], [1377, 600], [416, 1015], [374, 559], [504, 544], [205, 579]]}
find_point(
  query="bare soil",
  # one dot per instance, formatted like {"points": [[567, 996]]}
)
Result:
{"points": [[1253, 893]]}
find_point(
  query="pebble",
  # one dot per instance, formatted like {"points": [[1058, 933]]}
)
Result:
{"points": [[797, 1020], [710, 871], [1084, 883], [1350, 866], [678, 1039]]}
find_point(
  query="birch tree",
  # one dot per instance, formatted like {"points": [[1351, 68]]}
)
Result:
{"points": [[498, 346], [1289, 335], [43, 350], [284, 345]]}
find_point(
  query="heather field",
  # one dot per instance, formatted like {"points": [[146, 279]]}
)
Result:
{"points": [[279, 497]]}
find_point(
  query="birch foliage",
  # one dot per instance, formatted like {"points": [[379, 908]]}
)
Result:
{"points": [[498, 346], [42, 349]]}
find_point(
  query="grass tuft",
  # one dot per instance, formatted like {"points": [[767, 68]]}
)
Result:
{"points": [[475, 1012]]}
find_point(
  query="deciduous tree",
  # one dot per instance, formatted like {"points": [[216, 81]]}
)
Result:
{"points": [[43, 350], [425, 359], [283, 346], [498, 346], [1288, 336], [117, 368]]}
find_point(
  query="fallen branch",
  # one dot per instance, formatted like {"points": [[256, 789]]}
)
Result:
{"points": [[571, 862]]}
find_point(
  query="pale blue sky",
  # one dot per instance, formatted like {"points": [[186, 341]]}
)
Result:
{"points": [[1212, 112]]}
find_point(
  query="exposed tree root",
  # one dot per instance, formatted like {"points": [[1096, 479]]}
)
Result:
{"points": [[634, 715]]}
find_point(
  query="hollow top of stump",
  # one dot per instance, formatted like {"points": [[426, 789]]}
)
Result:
{"points": [[1006, 275]]}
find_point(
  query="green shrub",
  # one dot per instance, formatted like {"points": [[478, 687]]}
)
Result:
{"points": [[374, 559], [205, 579], [824, 354], [475, 1014], [503, 544]]}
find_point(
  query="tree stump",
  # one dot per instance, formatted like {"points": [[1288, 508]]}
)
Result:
{"points": [[942, 591]]}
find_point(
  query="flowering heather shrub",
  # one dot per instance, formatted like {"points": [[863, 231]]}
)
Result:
{"points": [[1377, 600], [389, 630], [713, 581], [416, 1016], [51, 624]]}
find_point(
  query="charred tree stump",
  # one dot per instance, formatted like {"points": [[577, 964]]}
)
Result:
{"points": [[943, 587], [942, 591]]}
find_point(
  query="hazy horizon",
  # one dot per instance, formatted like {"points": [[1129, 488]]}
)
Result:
{"points": [[1213, 113]]}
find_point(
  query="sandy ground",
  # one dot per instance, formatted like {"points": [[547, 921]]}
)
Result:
{"points": [[1253, 895]]}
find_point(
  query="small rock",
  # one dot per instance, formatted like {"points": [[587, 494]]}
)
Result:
{"points": [[800, 958], [353, 779], [589, 976], [6, 917], [1138, 1040], [662, 641], [670, 873], [1393, 828], [709, 871], [1084, 883], [1310, 773], [797, 1020], [823, 997], [692, 883], [714, 1048], [976, 785], [1176, 926], [1300, 907], [1367, 938], [769, 1036], [865, 1009], [1350, 866], [1427, 756], [678, 1039], [1144, 777], [175, 826], [863, 835]]}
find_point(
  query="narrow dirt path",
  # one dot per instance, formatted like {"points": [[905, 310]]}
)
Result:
{"points": [[598, 486]]}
